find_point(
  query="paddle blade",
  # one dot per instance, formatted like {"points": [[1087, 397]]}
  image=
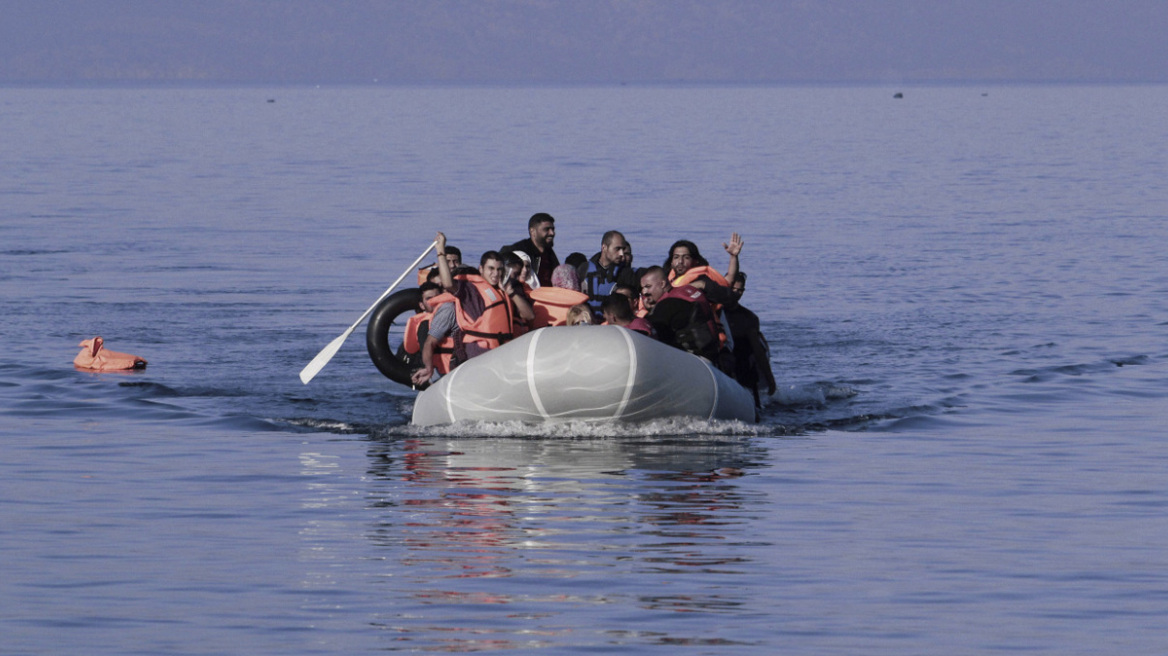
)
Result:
{"points": [[313, 368]]}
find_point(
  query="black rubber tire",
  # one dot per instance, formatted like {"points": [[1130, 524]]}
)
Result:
{"points": [[384, 355]]}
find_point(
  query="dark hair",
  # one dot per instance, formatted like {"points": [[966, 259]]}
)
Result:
{"points": [[511, 259], [655, 269], [453, 250], [618, 305], [490, 255], [538, 218], [427, 286], [739, 277], [635, 293], [693, 251], [576, 259], [609, 236]]}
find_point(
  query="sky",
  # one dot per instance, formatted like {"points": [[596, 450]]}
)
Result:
{"points": [[582, 41]]}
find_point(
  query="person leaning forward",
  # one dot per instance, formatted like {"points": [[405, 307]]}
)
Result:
{"points": [[482, 309]]}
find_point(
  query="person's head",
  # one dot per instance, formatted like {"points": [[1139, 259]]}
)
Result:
{"points": [[526, 274], [565, 276], [625, 290], [453, 257], [654, 284], [579, 315], [738, 286], [576, 259], [428, 290], [491, 268], [613, 248], [513, 266], [542, 228], [683, 256], [617, 309]]}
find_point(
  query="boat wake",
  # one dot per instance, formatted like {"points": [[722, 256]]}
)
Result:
{"points": [[674, 426]]}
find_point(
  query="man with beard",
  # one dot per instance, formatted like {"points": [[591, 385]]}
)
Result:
{"points": [[542, 230], [682, 317], [479, 303], [606, 269]]}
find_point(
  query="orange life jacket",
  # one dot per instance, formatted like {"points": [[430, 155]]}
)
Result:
{"points": [[443, 351], [551, 305], [491, 328], [95, 357], [424, 273], [695, 273]]}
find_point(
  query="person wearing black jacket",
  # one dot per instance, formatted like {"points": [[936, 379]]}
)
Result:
{"points": [[752, 356], [542, 230]]}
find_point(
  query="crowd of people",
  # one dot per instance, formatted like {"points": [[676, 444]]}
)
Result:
{"points": [[684, 302]]}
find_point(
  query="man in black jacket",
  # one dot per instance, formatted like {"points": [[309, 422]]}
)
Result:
{"points": [[542, 230]]}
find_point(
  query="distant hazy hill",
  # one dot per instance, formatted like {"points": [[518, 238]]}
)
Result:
{"points": [[582, 40]]}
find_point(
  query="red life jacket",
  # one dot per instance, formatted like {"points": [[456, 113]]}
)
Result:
{"points": [[709, 329], [710, 272], [641, 325]]}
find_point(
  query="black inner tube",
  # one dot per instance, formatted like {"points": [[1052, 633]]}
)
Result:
{"points": [[392, 362]]}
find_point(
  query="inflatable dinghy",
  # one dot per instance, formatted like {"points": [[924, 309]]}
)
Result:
{"points": [[583, 373]]}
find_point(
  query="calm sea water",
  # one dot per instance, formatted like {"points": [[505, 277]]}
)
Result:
{"points": [[965, 290]]}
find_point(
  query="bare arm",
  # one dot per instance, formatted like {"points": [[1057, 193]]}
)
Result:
{"points": [[444, 277], [522, 304], [733, 248], [423, 375]]}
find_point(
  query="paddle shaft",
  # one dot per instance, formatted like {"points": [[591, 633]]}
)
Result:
{"points": [[326, 354]]}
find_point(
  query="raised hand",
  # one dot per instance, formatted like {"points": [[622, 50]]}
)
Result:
{"points": [[735, 245]]}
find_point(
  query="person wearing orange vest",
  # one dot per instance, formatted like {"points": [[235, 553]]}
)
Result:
{"points": [[421, 325], [682, 317], [481, 308], [686, 265]]}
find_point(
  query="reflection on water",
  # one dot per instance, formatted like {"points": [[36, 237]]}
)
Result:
{"points": [[508, 543]]}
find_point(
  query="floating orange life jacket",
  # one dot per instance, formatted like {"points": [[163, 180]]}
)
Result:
{"points": [[94, 357], [551, 305]]}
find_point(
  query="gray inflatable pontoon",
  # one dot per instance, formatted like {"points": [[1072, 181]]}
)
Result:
{"points": [[583, 373]]}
